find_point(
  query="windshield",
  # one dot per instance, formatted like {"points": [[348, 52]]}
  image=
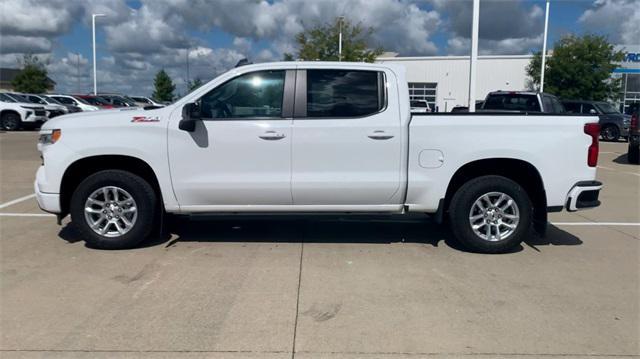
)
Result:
{"points": [[607, 108], [49, 100], [97, 101], [19, 98], [5, 98]]}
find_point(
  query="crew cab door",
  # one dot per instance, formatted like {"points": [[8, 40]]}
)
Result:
{"points": [[240, 152], [346, 140]]}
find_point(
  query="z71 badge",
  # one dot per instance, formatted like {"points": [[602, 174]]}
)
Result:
{"points": [[145, 119]]}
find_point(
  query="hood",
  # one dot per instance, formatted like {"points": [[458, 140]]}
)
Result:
{"points": [[124, 116]]}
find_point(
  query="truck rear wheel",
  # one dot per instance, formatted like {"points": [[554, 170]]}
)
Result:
{"points": [[10, 122], [610, 133], [490, 214], [113, 209]]}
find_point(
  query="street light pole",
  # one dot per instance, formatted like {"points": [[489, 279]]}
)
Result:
{"points": [[93, 27], [544, 47], [340, 39], [474, 55]]}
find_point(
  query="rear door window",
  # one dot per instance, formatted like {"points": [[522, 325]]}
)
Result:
{"points": [[344, 94]]}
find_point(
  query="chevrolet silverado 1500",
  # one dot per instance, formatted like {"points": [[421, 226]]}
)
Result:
{"points": [[315, 137]]}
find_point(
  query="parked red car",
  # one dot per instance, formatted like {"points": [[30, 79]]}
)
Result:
{"points": [[95, 101]]}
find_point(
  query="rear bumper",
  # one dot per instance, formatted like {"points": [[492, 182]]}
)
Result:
{"points": [[583, 195]]}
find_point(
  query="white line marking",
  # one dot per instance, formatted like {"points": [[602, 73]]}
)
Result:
{"points": [[26, 215], [595, 224], [17, 200]]}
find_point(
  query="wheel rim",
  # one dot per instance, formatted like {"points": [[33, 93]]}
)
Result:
{"points": [[609, 133], [10, 123], [110, 211], [494, 216]]}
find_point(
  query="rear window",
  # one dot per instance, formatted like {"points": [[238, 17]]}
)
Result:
{"points": [[512, 102], [340, 93]]}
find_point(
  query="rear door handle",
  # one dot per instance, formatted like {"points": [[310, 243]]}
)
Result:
{"points": [[380, 135], [272, 136]]}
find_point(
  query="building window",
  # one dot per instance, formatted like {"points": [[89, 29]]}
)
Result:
{"points": [[630, 91], [424, 91]]}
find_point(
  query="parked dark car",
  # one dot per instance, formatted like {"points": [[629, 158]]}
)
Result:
{"points": [[613, 124], [522, 101], [118, 100], [633, 153]]}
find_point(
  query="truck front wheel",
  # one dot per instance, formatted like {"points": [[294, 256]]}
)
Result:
{"points": [[113, 209], [490, 214]]}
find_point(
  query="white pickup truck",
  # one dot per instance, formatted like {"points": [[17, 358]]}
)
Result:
{"points": [[314, 137]]}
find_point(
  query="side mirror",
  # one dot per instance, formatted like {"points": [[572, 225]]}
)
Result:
{"points": [[190, 114]]}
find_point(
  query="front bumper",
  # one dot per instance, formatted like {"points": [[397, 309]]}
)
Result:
{"points": [[584, 195], [48, 202]]}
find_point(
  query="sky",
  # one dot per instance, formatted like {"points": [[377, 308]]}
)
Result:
{"points": [[138, 38]]}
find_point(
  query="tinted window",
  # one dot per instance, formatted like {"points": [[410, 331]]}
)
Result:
{"points": [[256, 94], [607, 108], [36, 99], [512, 102], [572, 107], [64, 100], [587, 108], [552, 104], [339, 93], [556, 105]]}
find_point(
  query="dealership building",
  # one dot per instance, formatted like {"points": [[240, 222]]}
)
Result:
{"points": [[443, 81]]}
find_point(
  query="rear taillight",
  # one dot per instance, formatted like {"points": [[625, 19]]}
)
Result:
{"points": [[593, 130], [633, 125]]}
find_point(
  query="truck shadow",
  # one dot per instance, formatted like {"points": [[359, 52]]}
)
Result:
{"points": [[321, 230], [623, 160]]}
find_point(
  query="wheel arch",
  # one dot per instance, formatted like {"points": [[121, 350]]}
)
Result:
{"points": [[8, 111], [522, 172], [84, 167]]}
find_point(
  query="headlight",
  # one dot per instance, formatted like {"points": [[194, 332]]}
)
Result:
{"points": [[49, 137]]}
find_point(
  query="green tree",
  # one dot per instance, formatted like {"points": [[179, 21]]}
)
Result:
{"points": [[194, 84], [321, 43], [579, 68], [33, 77], [164, 87]]}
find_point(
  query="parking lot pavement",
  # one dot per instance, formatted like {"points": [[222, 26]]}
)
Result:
{"points": [[319, 288]]}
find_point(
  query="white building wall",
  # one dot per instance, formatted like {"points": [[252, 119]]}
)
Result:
{"points": [[451, 73]]}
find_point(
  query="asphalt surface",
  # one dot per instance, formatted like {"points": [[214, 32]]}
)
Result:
{"points": [[319, 288]]}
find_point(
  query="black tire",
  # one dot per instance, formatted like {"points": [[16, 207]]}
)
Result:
{"points": [[610, 133], [633, 154], [460, 209], [10, 122], [143, 196]]}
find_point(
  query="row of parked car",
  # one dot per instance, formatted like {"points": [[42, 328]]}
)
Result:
{"points": [[19, 110], [614, 124]]}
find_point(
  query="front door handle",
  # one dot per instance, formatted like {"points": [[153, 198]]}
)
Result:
{"points": [[272, 136], [380, 135]]}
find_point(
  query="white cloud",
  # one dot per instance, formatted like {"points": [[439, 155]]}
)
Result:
{"points": [[620, 19], [506, 27]]}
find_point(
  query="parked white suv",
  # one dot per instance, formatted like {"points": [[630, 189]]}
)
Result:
{"points": [[15, 115], [315, 137], [71, 100]]}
